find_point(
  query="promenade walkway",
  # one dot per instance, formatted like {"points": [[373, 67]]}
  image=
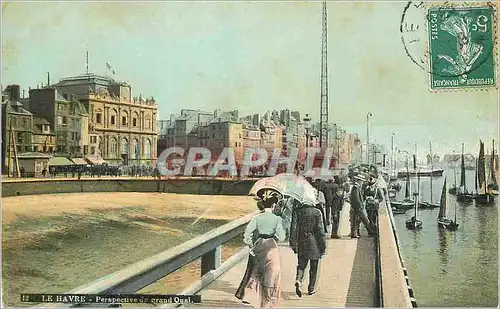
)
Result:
{"points": [[346, 275]]}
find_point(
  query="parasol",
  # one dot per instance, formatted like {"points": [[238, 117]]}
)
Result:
{"points": [[288, 185]]}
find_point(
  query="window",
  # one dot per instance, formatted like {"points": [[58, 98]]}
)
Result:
{"points": [[44, 149], [64, 120], [147, 123], [235, 144], [124, 121], [112, 119], [98, 118], [92, 150], [14, 122], [114, 148], [134, 122], [147, 149]]}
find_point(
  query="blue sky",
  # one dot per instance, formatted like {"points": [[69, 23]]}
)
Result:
{"points": [[252, 57]]}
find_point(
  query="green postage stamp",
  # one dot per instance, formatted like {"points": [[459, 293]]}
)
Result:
{"points": [[462, 47]]}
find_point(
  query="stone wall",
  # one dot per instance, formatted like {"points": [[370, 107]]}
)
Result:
{"points": [[182, 186]]}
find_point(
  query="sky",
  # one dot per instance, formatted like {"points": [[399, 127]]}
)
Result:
{"points": [[254, 57]]}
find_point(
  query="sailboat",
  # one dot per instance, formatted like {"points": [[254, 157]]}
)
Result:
{"points": [[414, 223], [453, 190], [482, 196], [442, 221], [430, 204], [493, 182], [462, 194], [407, 203]]}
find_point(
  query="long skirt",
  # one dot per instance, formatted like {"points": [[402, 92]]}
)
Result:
{"points": [[262, 288]]}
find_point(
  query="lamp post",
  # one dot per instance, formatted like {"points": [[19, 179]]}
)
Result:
{"points": [[368, 137]]}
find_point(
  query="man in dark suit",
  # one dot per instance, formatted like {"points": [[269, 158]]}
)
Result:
{"points": [[357, 214], [307, 240], [329, 190]]}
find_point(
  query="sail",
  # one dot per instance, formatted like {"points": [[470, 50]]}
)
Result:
{"points": [[442, 203], [481, 170], [493, 167]]}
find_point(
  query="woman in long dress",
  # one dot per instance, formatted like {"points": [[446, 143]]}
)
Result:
{"points": [[263, 287]]}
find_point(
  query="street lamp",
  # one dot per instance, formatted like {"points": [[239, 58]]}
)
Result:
{"points": [[368, 137]]}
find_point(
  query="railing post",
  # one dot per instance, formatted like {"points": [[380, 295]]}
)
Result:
{"points": [[211, 260]]}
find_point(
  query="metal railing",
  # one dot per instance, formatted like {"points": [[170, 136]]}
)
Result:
{"points": [[398, 246], [143, 273]]}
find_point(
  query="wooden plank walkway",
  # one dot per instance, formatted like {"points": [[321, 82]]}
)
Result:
{"points": [[346, 275]]}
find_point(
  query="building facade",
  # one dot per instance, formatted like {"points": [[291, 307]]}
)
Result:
{"points": [[17, 129], [68, 118], [122, 129]]}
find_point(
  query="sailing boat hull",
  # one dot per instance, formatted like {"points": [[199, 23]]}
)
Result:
{"points": [[465, 198], [453, 191], [413, 224], [447, 224], [428, 205], [484, 199]]}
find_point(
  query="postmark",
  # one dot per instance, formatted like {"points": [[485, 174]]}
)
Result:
{"points": [[453, 42]]}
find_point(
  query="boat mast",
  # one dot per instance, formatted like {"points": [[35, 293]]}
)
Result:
{"points": [[392, 157], [455, 211], [415, 166], [432, 165], [462, 175]]}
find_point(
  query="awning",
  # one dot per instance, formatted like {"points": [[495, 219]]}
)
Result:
{"points": [[79, 161], [95, 160], [60, 161]]}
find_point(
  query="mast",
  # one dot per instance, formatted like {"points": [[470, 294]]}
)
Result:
{"points": [[455, 211], [493, 179], [415, 163], [481, 168], [462, 169], [432, 165], [408, 182], [476, 177], [392, 157]]}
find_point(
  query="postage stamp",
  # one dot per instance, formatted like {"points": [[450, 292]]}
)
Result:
{"points": [[461, 47]]}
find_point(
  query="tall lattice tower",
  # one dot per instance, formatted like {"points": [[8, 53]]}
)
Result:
{"points": [[323, 135]]}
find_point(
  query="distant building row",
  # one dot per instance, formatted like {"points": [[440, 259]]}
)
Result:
{"points": [[87, 116], [217, 130]]}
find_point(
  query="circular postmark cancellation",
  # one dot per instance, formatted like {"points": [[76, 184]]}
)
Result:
{"points": [[453, 41]]}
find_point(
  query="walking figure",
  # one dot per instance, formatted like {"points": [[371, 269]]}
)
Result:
{"points": [[374, 197], [338, 201], [307, 240], [261, 284]]}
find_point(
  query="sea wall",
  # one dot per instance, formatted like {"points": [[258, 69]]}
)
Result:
{"points": [[214, 186]]}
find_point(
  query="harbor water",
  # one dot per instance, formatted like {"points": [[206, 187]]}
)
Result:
{"points": [[446, 268]]}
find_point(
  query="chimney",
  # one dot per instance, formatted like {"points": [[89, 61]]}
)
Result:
{"points": [[15, 94], [48, 79]]}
